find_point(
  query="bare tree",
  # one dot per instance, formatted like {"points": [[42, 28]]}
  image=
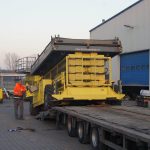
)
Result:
{"points": [[10, 60]]}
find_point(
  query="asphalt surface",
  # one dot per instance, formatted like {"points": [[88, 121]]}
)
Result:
{"points": [[45, 137]]}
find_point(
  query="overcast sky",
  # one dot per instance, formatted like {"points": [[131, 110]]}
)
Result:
{"points": [[26, 26]]}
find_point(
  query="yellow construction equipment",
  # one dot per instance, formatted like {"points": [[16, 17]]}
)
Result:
{"points": [[31, 83], [1, 95], [83, 76], [73, 72]]}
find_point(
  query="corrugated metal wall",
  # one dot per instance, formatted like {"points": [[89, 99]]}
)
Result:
{"points": [[134, 68], [133, 39]]}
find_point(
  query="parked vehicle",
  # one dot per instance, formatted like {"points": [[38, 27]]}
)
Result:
{"points": [[1, 95]]}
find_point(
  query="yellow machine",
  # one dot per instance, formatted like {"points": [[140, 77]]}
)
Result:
{"points": [[1, 95], [38, 98], [31, 83], [73, 72], [83, 76]]}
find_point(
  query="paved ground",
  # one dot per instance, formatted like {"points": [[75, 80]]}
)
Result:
{"points": [[46, 136]]}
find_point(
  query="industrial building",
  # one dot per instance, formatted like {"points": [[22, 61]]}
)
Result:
{"points": [[132, 27], [8, 79]]}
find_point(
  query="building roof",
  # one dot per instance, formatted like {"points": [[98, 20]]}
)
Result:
{"points": [[10, 73], [6, 71], [116, 15]]}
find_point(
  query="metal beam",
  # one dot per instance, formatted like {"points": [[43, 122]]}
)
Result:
{"points": [[58, 48]]}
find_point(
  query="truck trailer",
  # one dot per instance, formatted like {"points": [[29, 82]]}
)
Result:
{"points": [[71, 81], [107, 127]]}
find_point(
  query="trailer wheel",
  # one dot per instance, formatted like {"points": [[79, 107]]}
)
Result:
{"points": [[94, 139], [71, 127], [82, 136]]}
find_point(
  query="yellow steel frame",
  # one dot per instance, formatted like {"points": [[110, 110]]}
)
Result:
{"points": [[65, 87], [38, 96], [31, 81], [85, 90], [1, 95], [88, 93], [94, 59]]}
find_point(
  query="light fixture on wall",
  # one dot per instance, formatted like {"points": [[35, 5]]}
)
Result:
{"points": [[128, 26]]}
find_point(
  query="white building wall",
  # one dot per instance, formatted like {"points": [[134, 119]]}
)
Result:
{"points": [[149, 69], [134, 39]]}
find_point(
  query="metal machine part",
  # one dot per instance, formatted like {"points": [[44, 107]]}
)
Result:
{"points": [[77, 70], [1, 95], [23, 65], [60, 47], [83, 76]]}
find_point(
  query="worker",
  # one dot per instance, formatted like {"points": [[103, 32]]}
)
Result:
{"points": [[19, 92]]}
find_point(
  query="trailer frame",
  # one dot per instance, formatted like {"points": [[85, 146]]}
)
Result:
{"points": [[129, 137]]}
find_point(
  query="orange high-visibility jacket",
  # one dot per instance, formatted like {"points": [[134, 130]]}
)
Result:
{"points": [[19, 89]]}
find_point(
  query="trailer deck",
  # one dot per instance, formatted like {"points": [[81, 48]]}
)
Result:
{"points": [[131, 123]]}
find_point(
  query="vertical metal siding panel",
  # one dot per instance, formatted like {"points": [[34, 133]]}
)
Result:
{"points": [[132, 39], [116, 68], [135, 68], [149, 70]]}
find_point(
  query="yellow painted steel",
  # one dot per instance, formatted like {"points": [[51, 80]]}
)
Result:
{"points": [[35, 89], [31, 81], [84, 76], [1, 95], [38, 96], [79, 76], [88, 93], [85, 69], [29, 94]]}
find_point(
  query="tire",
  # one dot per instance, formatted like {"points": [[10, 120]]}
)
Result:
{"points": [[82, 136], [71, 130], [33, 111], [94, 138], [46, 101], [1, 101], [63, 119], [47, 96]]}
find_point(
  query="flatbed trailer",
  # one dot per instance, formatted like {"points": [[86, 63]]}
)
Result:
{"points": [[107, 127]]}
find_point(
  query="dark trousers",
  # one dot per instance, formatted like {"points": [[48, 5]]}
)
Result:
{"points": [[18, 108]]}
